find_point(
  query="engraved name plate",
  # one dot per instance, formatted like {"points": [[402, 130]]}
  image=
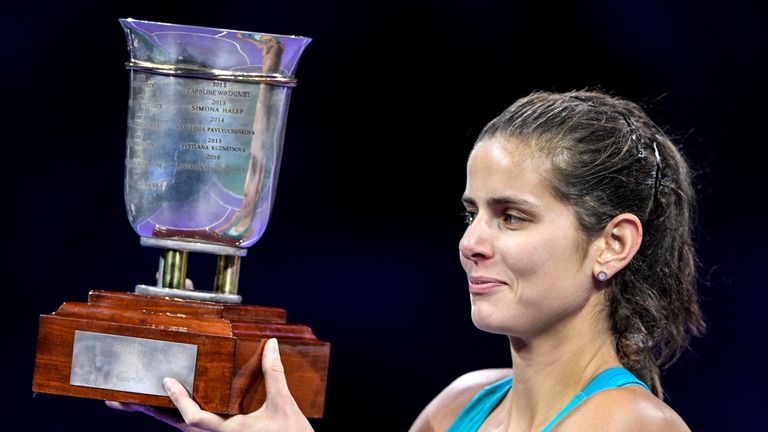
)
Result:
{"points": [[130, 364]]}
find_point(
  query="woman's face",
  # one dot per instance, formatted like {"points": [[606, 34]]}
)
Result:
{"points": [[527, 268]]}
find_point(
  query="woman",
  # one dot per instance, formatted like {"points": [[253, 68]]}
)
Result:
{"points": [[578, 248]]}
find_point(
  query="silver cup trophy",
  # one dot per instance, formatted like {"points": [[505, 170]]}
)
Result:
{"points": [[206, 120]]}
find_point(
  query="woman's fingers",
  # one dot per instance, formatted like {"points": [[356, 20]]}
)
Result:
{"points": [[166, 415], [124, 406], [280, 413], [189, 409], [274, 375]]}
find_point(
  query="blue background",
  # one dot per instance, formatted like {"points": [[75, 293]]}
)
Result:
{"points": [[362, 244]]}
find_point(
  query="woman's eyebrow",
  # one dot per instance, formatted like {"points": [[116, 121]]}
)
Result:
{"points": [[503, 201], [512, 201]]}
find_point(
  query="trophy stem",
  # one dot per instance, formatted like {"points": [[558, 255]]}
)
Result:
{"points": [[173, 269], [227, 274], [172, 275]]}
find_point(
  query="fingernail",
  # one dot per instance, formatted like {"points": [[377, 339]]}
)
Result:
{"points": [[274, 348], [167, 385]]}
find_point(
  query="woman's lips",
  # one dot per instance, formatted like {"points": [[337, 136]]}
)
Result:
{"points": [[483, 284]]}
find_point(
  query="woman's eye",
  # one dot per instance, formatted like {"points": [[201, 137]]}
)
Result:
{"points": [[510, 219], [468, 216]]}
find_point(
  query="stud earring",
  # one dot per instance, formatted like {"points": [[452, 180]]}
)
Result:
{"points": [[602, 276]]}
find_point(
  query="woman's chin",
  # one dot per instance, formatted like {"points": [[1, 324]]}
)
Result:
{"points": [[490, 322]]}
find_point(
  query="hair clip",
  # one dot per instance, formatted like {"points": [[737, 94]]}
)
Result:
{"points": [[640, 141]]}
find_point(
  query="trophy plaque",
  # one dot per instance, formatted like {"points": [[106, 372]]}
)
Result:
{"points": [[206, 119]]}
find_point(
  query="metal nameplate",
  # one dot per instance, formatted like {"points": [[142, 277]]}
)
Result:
{"points": [[130, 364]]}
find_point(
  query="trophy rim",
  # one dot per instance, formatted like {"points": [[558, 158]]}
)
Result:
{"points": [[213, 74], [303, 38]]}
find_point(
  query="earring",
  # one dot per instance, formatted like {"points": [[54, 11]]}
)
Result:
{"points": [[602, 276]]}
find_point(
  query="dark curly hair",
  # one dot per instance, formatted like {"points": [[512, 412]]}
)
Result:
{"points": [[607, 158]]}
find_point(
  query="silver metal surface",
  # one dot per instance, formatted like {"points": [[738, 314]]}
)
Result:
{"points": [[200, 72], [202, 157], [130, 364], [206, 119], [192, 246], [200, 295]]}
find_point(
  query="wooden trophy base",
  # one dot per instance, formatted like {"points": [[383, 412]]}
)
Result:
{"points": [[229, 340]]}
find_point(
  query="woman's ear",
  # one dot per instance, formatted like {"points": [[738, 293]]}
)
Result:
{"points": [[617, 244]]}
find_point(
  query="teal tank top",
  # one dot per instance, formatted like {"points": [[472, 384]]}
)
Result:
{"points": [[480, 407]]}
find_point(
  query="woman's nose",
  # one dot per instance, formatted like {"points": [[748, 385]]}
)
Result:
{"points": [[475, 244]]}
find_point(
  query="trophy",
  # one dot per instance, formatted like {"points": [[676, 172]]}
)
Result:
{"points": [[207, 114]]}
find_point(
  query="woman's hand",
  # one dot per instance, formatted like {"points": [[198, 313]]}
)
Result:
{"points": [[279, 412]]}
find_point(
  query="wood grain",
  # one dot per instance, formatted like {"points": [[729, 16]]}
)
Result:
{"points": [[230, 340]]}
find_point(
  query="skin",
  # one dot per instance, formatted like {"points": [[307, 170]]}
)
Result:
{"points": [[532, 277], [278, 414]]}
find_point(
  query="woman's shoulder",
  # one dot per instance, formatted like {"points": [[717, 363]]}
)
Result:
{"points": [[639, 411], [446, 406]]}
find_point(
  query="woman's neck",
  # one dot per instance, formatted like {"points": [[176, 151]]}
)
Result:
{"points": [[548, 370]]}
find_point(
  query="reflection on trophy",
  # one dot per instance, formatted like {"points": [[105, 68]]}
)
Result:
{"points": [[207, 115]]}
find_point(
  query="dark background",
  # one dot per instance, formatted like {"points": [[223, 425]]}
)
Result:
{"points": [[362, 244]]}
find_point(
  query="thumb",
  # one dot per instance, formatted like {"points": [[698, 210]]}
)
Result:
{"points": [[274, 374]]}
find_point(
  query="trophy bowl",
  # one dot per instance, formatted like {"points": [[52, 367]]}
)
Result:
{"points": [[206, 120]]}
